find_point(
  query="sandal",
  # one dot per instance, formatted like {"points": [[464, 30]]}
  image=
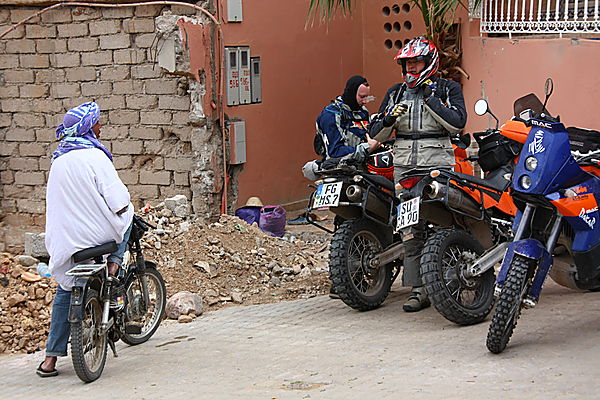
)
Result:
{"points": [[45, 374]]}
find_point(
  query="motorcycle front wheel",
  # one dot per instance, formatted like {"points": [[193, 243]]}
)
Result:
{"points": [[510, 304], [353, 245], [147, 318], [445, 258], [88, 344]]}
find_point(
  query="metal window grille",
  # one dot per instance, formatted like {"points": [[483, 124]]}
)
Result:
{"points": [[540, 16]]}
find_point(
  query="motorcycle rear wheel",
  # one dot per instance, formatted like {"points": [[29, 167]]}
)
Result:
{"points": [[353, 245], [510, 304], [151, 319], [88, 345], [462, 300]]}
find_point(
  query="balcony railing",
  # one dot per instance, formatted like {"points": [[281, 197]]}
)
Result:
{"points": [[540, 16]]}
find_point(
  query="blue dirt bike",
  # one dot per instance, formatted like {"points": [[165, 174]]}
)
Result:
{"points": [[556, 186]]}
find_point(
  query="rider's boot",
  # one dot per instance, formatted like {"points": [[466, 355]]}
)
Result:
{"points": [[417, 300]]}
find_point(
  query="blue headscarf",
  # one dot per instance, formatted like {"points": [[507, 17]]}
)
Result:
{"points": [[76, 130]]}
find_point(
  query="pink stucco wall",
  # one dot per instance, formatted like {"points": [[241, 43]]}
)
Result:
{"points": [[302, 70]]}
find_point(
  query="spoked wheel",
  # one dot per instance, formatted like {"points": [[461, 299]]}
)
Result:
{"points": [[88, 344], [460, 299], [149, 320], [353, 245], [510, 304]]}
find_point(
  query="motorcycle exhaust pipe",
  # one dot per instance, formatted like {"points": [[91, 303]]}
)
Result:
{"points": [[456, 198], [374, 204]]}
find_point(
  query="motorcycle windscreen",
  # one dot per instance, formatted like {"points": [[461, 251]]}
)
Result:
{"points": [[529, 102]]}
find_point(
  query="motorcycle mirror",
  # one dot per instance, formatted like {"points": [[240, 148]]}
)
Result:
{"points": [[548, 89], [481, 107]]}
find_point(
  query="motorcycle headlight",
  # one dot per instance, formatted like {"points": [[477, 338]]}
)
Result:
{"points": [[525, 182], [531, 163]]}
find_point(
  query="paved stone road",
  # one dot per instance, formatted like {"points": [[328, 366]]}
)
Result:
{"points": [[321, 349]]}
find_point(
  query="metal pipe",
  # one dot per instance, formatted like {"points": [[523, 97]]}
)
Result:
{"points": [[524, 220], [554, 233], [456, 198], [487, 261]]}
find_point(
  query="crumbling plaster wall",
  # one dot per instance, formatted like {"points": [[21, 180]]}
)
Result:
{"points": [[154, 123]]}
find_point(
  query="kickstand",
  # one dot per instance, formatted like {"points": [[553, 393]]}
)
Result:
{"points": [[113, 348]]}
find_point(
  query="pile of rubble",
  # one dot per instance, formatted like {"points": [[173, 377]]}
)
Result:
{"points": [[25, 304], [225, 263]]}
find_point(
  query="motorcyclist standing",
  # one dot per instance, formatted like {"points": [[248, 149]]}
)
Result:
{"points": [[423, 111]]}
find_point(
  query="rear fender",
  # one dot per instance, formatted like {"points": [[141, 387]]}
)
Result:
{"points": [[80, 288]]}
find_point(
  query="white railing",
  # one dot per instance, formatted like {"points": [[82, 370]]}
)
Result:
{"points": [[540, 16]]}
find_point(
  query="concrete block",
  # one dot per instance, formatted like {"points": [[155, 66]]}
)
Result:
{"points": [[73, 30], [13, 76], [85, 13], [65, 90], [65, 60], [52, 46], [57, 15], [145, 40], [124, 117], [17, 33], [180, 103], [40, 31], [179, 164], [8, 61], [34, 61], [12, 92], [5, 120], [111, 132], [141, 25], [145, 102], [20, 135], [105, 27], [9, 149], [23, 164], [48, 106], [94, 89], [22, 46], [82, 44], [147, 133], [181, 118], [146, 71], [31, 206], [18, 191], [182, 178], [128, 87], [118, 41], [129, 176], [123, 12], [15, 105], [7, 177], [28, 120], [35, 245], [147, 11], [115, 73], [50, 76], [97, 58], [155, 177], [128, 147], [47, 135], [29, 178], [160, 86], [19, 14], [129, 56], [143, 193], [122, 162], [115, 102], [29, 91], [81, 74], [32, 149], [157, 117]]}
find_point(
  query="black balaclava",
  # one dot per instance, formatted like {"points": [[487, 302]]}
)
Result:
{"points": [[349, 96]]}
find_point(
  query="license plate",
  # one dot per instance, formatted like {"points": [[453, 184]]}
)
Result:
{"points": [[327, 195], [408, 213]]}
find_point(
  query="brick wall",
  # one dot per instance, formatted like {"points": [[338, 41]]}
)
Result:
{"points": [[72, 55]]}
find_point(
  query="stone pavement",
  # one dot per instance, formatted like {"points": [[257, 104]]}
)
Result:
{"points": [[321, 349]]}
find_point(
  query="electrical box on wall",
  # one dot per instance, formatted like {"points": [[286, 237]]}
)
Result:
{"points": [[244, 71], [255, 84], [237, 141], [234, 10], [233, 79]]}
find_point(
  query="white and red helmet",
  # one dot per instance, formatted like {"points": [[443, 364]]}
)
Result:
{"points": [[421, 49]]}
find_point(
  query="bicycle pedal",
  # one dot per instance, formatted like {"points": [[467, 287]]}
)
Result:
{"points": [[133, 328]]}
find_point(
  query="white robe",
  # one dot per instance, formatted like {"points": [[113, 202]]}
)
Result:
{"points": [[83, 196]]}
